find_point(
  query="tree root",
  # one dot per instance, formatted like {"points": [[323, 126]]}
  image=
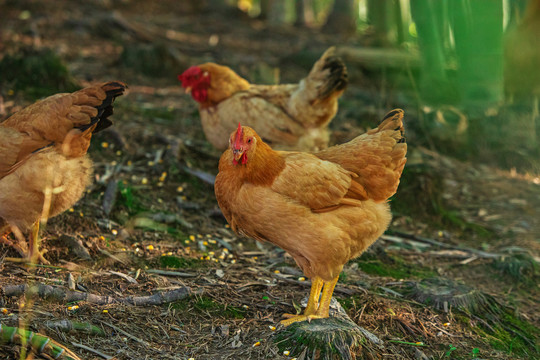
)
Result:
{"points": [[48, 292]]}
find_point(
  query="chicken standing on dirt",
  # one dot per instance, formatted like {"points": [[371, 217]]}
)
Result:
{"points": [[44, 168], [323, 208], [287, 116]]}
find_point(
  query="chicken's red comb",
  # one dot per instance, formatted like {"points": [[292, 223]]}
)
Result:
{"points": [[238, 136], [191, 71]]}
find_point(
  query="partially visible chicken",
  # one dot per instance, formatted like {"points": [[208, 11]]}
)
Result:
{"points": [[288, 116], [44, 168], [522, 54], [323, 208]]}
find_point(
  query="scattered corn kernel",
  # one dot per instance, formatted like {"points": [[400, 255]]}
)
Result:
{"points": [[208, 235], [151, 163], [191, 359], [255, 258], [144, 181], [114, 232], [221, 257], [227, 226], [11, 92], [301, 278], [211, 241], [192, 237], [446, 324], [163, 176], [118, 153], [150, 247], [207, 258], [129, 163], [70, 308], [273, 328], [201, 258], [276, 271], [81, 214], [114, 163], [105, 311], [419, 343], [216, 260], [169, 253], [160, 184], [440, 233], [210, 253], [186, 241], [137, 249], [258, 343], [124, 249], [179, 189], [4, 311], [286, 352], [245, 306], [71, 210], [104, 144], [225, 250], [205, 243], [199, 236], [102, 238], [230, 256], [233, 261]]}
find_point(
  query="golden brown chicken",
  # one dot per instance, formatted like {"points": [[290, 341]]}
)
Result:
{"points": [[323, 208], [44, 168], [287, 116]]}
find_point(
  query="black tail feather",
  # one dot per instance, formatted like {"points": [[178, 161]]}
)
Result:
{"points": [[105, 109]]}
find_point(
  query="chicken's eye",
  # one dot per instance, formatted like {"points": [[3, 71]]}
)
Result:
{"points": [[249, 140]]}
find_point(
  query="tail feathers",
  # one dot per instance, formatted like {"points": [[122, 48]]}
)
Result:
{"points": [[331, 71], [105, 109], [392, 121]]}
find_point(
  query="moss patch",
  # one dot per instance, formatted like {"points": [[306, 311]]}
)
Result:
{"points": [[38, 73], [181, 262], [209, 306], [391, 266]]}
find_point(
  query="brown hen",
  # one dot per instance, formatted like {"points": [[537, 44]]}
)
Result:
{"points": [[323, 208], [287, 116], [44, 168]]}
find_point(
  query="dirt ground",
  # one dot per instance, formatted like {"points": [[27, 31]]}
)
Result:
{"points": [[152, 210]]}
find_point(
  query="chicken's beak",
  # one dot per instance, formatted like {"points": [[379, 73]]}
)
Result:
{"points": [[188, 90], [237, 154]]}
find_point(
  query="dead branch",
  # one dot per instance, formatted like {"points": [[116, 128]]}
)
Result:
{"points": [[48, 292], [479, 253]]}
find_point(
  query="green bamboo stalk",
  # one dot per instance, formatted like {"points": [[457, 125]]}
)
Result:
{"points": [[478, 31], [39, 344], [429, 18]]}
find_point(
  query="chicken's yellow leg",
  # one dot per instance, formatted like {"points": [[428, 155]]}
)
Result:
{"points": [[328, 290], [323, 306], [34, 255], [313, 301]]}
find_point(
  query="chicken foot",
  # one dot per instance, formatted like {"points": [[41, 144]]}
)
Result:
{"points": [[29, 253], [313, 300], [323, 308]]}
